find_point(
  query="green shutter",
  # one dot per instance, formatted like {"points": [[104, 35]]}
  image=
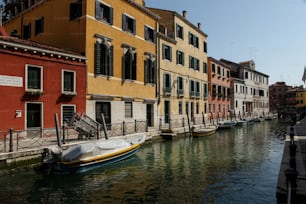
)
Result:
{"points": [[98, 10], [97, 58], [123, 22]]}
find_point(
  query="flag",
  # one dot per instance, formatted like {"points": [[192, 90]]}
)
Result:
{"points": [[304, 75]]}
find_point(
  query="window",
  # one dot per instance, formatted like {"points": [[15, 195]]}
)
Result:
{"points": [[180, 106], [67, 113], [39, 26], [193, 40], [27, 31], [194, 63], [205, 67], [180, 86], [129, 64], [75, 9], [228, 74], [128, 109], [197, 108], [167, 83], [167, 52], [179, 31], [68, 82], [186, 107], [34, 78], [219, 70], [128, 24], [192, 88], [150, 69], [104, 13], [205, 46], [213, 68], [205, 90], [246, 75], [104, 57], [150, 34], [180, 57], [197, 89], [214, 90]]}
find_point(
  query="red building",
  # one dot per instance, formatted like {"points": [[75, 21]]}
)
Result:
{"points": [[219, 88], [37, 81]]}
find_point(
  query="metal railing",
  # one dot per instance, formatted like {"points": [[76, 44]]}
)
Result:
{"points": [[17, 140]]}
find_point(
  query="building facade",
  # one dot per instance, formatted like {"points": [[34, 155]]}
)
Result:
{"points": [[277, 97], [182, 52], [37, 81], [118, 37], [219, 87], [254, 88]]}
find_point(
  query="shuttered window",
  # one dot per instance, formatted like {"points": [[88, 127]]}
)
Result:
{"points": [[150, 69], [104, 13], [104, 58], [128, 24]]}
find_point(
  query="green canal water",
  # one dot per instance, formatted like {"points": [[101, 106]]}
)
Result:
{"points": [[234, 166]]}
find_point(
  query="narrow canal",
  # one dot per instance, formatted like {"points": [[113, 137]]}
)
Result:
{"points": [[234, 166]]}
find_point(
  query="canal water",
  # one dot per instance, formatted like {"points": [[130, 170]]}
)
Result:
{"points": [[240, 165]]}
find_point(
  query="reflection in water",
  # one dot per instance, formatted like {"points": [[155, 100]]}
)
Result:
{"points": [[234, 166]]}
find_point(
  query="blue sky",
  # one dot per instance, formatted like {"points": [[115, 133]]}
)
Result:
{"points": [[270, 32]]}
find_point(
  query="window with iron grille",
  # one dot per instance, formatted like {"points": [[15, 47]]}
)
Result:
{"points": [[67, 113], [128, 109]]}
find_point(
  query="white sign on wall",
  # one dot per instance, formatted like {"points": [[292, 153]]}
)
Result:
{"points": [[10, 81]]}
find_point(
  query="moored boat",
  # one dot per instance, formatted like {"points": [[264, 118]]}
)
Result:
{"points": [[226, 125], [240, 122], [86, 156], [202, 132]]}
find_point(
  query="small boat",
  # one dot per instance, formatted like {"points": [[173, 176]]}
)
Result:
{"points": [[226, 125], [206, 131], [240, 122], [256, 120], [86, 156]]}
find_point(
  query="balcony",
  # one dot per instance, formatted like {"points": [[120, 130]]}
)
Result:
{"points": [[34, 92], [167, 91], [180, 92]]}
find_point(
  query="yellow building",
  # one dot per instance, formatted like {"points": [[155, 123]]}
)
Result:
{"points": [[182, 52], [118, 38], [301, 99]]}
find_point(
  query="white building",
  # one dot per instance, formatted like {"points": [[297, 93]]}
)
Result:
{"points": [[250, 89]]}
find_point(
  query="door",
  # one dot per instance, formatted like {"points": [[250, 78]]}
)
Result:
{"points": [[192, 111], [105, 108], [150, 115], [167, 111], [34, 115]]}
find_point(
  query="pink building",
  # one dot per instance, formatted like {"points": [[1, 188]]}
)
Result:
{"points": [[219, 88]]}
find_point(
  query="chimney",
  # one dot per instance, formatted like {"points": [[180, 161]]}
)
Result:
{"points": [[199, 26], [185, 14]]}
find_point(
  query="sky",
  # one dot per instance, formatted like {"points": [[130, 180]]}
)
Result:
{"points": [[270, 32]]}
